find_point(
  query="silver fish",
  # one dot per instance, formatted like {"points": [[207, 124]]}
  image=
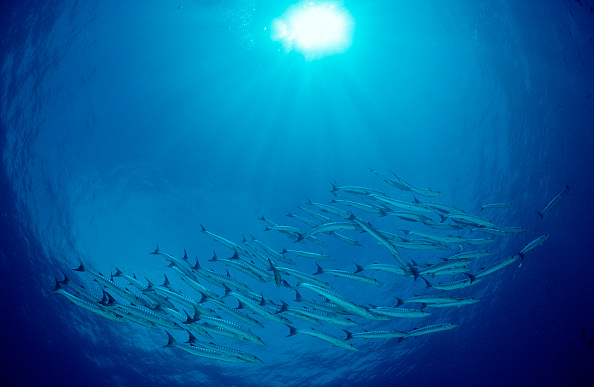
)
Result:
{"points": [[552, 203]]}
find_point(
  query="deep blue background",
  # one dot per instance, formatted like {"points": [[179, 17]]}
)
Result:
{"points": [[126, 125]]}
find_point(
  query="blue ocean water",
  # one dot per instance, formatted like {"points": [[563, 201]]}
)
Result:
{"points": [[127, 124]]}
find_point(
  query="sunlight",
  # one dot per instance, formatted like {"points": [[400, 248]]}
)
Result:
{"points": [[314, 29]]}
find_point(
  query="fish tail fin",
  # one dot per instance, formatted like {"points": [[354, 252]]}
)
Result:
{"points": [[471, 276], [320, 269], [81, 267], [197, 265], [227, 291], [540, 214], [118, 273], [415, 272], [400, 302], [214, 257], [427, 282], [66, 280], [107, 299], [292, 330], [166, 281], [57, 288], [156, 250], [170, 341], [334, 187], [191, 338], [443, 218], [283, 308], [298, 297], [359, 268], [349, 335]]}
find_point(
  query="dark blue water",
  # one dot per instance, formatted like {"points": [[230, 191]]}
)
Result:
{"points": [[126, 124]]}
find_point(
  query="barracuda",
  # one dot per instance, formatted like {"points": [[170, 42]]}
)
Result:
{"points": [[329, 227], [394, 334], [445, 265], [120, 291], [235, 263], [323, 306], [181, 264], [348, 275], [307, 254], [227, 325], [276, 255], [426, 299], [382, 240], [332, 210], [225, 242], [215, 347], [437, 238], [236, 313], [248, 303], [196, 285], [94, 298], [361, 206], [431, 329], [132, 280], [308, 222], [319, 315], [421, 191], [400, 312], [496, 266], [421, 245], [472, 255], [400, 204], [470, 219], [304, 277], [445, 208], [139, 311], [268, 277], [497, 205], [461, 284], [91, 307], [339, 300], [315, 215], [552, 203], [322, 336], [460, 302], [353, 190], [399, 270], [535, 243], [203, 352], [409, 216]]}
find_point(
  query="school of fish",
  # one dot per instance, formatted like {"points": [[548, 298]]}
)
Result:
{"points": [[353, 210]]}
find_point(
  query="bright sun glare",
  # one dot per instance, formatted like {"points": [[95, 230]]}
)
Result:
{"points": [[315, 29]]}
